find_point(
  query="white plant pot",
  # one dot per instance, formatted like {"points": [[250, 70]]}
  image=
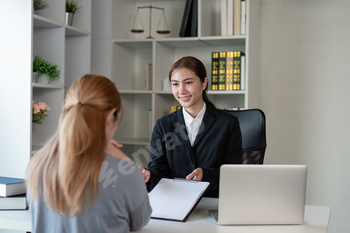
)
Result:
{"points": [[43, 79]]}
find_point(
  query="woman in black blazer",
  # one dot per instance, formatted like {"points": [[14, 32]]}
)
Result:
{"points": [[196, 140]]}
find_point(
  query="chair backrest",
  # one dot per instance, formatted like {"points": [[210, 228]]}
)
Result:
{"points": [[252, 123]]}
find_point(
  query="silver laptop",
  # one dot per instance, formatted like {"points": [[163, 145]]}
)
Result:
{"points": [[261, 194]]}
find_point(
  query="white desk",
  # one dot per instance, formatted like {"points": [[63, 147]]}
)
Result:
{"points": [[316, 221]]}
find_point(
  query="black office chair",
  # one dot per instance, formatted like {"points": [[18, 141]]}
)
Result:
{"points": [[252, 123]]}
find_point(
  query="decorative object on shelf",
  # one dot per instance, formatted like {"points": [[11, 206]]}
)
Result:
{"points": [[46, 70], [39, 112], [190, 19], [43, 79], [71, 8], [40, 5], [228, 70], [162, 24], [36, 65]]}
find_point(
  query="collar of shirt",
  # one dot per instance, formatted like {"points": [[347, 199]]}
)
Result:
{"points": [[193, 124]]}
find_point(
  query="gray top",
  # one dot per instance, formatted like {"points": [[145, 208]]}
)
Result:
{"points": [[122, 204]]}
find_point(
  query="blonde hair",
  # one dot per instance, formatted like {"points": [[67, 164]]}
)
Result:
{"points": [[68, 166]]}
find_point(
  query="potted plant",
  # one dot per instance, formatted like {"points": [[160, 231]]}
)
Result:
{"points": [[40, 5], [36, 66], [47, 71], [39, 112], [71, 8]]}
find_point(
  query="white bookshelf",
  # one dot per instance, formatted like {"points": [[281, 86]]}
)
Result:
{"points": [[125, 54], [69, 47]]}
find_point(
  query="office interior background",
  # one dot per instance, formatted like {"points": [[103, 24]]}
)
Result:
{"points": [[304, 81]]}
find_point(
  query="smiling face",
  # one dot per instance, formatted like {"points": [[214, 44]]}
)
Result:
{"points": [[187, 89]]}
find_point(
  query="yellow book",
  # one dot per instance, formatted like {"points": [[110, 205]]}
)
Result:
{"points": [[214, 70], [222, 71], [237, 70], [229, 70]]}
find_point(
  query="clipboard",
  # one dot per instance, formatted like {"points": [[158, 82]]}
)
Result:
{"points": [[175, 199]]}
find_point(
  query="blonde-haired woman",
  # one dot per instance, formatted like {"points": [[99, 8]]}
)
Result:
{"points": [[78, 182]]}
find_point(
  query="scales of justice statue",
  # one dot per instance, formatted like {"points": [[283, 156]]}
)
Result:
{"points": [[162, 23]]}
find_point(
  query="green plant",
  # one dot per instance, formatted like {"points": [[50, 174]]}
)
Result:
{"points": [[40, 5], [46, 68], [36, 63], [72, 6]]}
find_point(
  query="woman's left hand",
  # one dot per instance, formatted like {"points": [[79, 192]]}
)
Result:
{"points": [[197, 174]]}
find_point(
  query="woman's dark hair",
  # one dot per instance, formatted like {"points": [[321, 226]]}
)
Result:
{"points": [[197, 67]]}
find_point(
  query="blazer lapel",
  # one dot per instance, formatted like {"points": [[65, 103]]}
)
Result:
{"points": [[208, 120], [179, 119]]}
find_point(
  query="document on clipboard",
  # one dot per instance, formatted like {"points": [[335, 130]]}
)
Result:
{"points": [[175, 199]]}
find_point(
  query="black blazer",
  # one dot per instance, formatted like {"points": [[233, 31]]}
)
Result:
{"points": [[218, 142]]}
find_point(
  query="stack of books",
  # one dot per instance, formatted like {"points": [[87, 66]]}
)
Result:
{"points": [[12, 194], [228, 71], [233, 17]]}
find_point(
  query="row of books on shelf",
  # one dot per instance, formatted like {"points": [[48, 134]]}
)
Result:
{"points": [[13, 193], [228, 70], [233, 17]]}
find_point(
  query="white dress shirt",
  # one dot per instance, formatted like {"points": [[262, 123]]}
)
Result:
{"points": [[193, 124]]}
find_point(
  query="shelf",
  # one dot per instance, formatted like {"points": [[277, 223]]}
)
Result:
{"points": [[72, 31], [53, 86], [176, 42], [135, 43], [43, 22], [131, 52], [217, 41], [182, 42], [68, 47], [239, 92]]}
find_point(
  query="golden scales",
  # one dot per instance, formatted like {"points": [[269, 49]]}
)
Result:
{"points": [[162, 24]]}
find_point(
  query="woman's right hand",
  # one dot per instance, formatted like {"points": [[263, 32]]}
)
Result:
{"points": [[146, 174], [112, 148]]}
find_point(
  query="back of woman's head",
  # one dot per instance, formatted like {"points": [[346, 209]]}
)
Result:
{"points": [[82, 136], [69, 165], [84, 113], [197, 67]]}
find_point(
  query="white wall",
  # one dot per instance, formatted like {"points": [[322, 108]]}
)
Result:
{"points": [[15, 86], [305, 81]]}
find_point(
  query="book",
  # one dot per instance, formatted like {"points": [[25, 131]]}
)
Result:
{"points": [[243, 17], [223, 9], [236, 70], [12, 186], [214, 70], [229, 17], [175, 199], [18, 202], [166, 84], [229, 70], [148, 76], [236, 17], [185, 29], [222, 71], [243, 77], [194, 18]]}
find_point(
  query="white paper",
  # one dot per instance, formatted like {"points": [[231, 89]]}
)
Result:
{"points": [[173, 199]]}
